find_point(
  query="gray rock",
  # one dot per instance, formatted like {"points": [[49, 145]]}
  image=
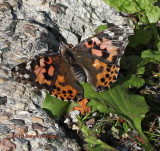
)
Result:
{"points": [[30, 28]]}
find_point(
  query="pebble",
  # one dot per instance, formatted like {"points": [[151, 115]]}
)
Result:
{"points": [[19, 92], [38, 127], [6, 144], [19, 106], [71, 38], [26, 146], [3, 100], [4, 130], [32, 133], [4, 116], [49, 147], [21, 130], [18, 122], [74, 114], [5, 6], [37, 120], [2, 80]]}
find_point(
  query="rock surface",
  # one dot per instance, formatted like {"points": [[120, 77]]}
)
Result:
{"points": [[29, 28]]}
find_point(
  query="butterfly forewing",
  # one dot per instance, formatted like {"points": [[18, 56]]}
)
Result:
{"points": [[51, 73], [101, 53]]}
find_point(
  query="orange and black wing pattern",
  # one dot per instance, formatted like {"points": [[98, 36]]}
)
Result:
{"points": [[51, 73]]}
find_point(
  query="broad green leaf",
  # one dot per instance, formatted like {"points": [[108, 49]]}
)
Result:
{"points": [[99, 105], [56, 106], [143, 7], [123, 5], [136, 81], [151, 54], [129, 106], [140, 37]]}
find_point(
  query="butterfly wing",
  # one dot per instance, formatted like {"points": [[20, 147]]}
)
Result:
{"points": [[100, 55], [51, 73]]}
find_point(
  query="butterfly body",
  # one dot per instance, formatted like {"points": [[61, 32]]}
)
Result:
{"points": [[94, 60]]}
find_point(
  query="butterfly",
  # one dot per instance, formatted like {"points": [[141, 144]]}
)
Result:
{"points": [[95, 60]]}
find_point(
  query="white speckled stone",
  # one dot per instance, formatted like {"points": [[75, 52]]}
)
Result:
{"points": [[28, 35]]}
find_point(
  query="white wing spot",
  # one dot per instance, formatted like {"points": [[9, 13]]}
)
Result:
{"points": [[120, 38], [28, 66], [111, 34], [26, 76], [16, 67]]}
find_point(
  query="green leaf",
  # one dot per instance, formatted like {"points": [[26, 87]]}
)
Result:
{"points": [[129, 106], [99, 105], [151, 54], [141, 36], [101, 28], [136, 81], [56, 106], [145, 8], [94, 144], [123, 5], [125, 127], [141, 70]]}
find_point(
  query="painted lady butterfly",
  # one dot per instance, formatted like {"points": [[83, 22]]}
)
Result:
{"points": [[95, 60]]}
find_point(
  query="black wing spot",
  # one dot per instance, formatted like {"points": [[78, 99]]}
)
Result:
{"points": [[102, 79], [68, 99], [114, 58], [99, 88], [58, 89], [108, 69], [70, 91], [114, 78], [90, 42], [97, 47], [105, 55], [62, 98], [106, 83], [46, 59], [109, 66], [107, 75], [64, 92]]}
